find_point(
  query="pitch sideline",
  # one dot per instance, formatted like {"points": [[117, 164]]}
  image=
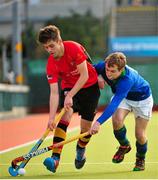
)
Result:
{"points": [[31, 142]]}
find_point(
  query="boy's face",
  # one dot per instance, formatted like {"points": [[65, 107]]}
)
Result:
{"points": [[112, 72], [54, 48]]}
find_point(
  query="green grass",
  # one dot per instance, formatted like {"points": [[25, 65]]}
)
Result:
{"points": [[99, 153]]}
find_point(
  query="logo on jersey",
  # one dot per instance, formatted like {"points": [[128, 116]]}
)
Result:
{"points": [[49, 77]]}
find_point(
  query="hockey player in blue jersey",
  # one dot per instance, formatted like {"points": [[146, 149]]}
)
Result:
{"points": [[131, 93]]}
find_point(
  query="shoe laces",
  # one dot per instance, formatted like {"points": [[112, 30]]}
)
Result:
{"points": [[56, 160], [139, 162], [80, 153], [121, 150]]}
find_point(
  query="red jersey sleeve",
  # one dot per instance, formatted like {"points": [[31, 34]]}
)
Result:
{"points": [[52, 71]]}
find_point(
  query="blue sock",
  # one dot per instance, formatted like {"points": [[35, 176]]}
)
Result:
{"points": [[120, 135], [141, 150]]}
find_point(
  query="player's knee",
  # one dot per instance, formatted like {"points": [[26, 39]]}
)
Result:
{"points": [[85, 129], [85, 126], [117, 123], [140, 136], [67, 116]]}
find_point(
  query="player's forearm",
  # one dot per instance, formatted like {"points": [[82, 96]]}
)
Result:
{"points": [[53, 105], [106, 114], [110, 109], [79, 85]]}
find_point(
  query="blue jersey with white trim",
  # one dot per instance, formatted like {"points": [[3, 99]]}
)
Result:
{"points": [[129, 85]]}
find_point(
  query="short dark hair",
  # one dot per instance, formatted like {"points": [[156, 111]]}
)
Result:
{"points": [[48, 33]]}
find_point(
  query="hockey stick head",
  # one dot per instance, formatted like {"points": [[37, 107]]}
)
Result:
{"points": [[15, 161], [13, 169]]}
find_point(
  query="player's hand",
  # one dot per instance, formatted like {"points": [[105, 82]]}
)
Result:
{"points": [[101, 82], [68, 103], [95, 128], [51, 124]]}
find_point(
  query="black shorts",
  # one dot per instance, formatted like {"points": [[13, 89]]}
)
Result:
{"points": [[84, 102]]}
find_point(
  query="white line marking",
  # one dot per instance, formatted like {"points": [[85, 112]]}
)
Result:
{"points": [[31, 142], [91, 163]]}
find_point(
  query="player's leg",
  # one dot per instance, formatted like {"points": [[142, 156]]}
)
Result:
{"points": [[119, 130], [81, 144], [52, 162], [88, 100], [142, 116], [141, 143]]}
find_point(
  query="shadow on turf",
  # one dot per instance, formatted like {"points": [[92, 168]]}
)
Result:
{"points": [[77, 175]]}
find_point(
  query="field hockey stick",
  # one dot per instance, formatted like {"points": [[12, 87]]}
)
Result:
{"points": [[89, 58], [46, 149], [14, 171]]}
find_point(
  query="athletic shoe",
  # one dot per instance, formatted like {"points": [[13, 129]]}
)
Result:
{"points": [[51, 163], [139, 165], [80, 157], [119, 155]]}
